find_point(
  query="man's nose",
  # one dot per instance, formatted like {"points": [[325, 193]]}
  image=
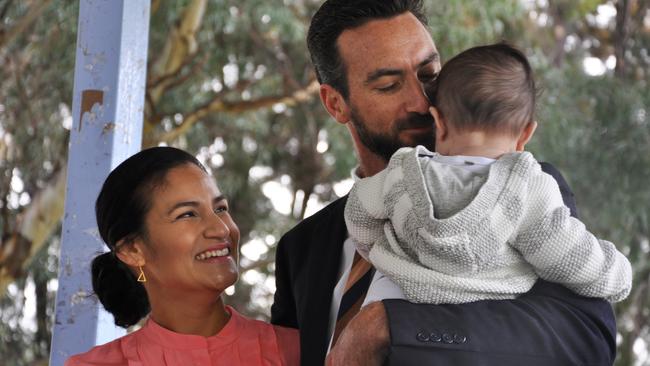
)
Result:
{"points": [[415, 98]]}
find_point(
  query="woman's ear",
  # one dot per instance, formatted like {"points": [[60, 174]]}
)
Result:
{"points": [[525, 135], [335, 103], [130, 252], [441, 125]]}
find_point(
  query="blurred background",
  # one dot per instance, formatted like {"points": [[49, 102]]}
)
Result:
{"points": [[230, 81]]}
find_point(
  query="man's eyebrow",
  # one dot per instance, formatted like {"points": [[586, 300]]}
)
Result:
{"points": [[434, 56], [374, 75]]}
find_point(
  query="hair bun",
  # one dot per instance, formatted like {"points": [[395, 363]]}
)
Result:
{"points": [[118, 290]]}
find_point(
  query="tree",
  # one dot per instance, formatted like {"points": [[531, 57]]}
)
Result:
{"points": [[231, 82]]}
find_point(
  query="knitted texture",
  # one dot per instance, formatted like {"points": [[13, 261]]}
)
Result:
{"points": [[513, 230]]}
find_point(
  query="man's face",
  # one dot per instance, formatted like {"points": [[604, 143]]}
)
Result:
{"points": [[386, 62]]}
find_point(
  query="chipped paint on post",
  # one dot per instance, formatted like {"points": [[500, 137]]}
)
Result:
{"points": [[88, 100], [108, 101]]}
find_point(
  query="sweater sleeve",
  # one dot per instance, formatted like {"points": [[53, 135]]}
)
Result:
{"points": [[365, 213], [562, 250]]}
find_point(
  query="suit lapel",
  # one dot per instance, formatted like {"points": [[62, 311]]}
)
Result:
{"points": [[324, 262]]}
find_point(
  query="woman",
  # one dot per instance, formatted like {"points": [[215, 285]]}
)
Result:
{"points": [[173, 251]]}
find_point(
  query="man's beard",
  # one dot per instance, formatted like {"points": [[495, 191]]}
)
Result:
{"points": [[386, 144]]}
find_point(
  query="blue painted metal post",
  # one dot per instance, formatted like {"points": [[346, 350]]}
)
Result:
{"points": [[108, 105]]}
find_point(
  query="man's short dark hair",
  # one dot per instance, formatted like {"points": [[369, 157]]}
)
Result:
{"points": [[487, 88], [336, 16]]}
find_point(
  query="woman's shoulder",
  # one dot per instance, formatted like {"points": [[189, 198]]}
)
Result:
{"points": [[107, 354]]}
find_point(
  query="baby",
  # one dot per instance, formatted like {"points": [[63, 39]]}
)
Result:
{"points": [[477, 219]]}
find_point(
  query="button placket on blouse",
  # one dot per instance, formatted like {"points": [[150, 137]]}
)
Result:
{"points": [[201, 356]]}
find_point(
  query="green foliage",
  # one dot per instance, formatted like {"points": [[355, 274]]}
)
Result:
{"points": [[461, 24], [594, 129]]}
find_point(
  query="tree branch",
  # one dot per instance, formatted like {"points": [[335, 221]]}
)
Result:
{"points": [[277, 54], [219, 105], [26, 21], [5, 9], [166, 79], [181, 44]]}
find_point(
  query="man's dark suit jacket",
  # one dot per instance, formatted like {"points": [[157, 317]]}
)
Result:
{"points": [[549, 325]]}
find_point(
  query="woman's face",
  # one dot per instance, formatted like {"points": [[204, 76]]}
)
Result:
{"points": [[191, 242]]}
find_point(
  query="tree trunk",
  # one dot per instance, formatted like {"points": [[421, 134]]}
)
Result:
{"points": [[621, 35], [35, 225], [557, 10], [179, 48], [42, 337]]}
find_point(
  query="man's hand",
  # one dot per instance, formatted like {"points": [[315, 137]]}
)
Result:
{"points": [[364, 341]]}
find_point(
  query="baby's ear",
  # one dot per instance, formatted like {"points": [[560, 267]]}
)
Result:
{"points": [[525, 135], [441, 124]]}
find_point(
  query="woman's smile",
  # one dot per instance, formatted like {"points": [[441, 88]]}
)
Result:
{"points": [[213, 254]]}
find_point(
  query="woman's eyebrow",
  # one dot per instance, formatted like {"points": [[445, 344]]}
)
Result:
{"points": [[183, 204], [194, 204]]}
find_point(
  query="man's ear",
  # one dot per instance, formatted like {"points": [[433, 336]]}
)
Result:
{"points": [[441, 125], [335, 103], [130, 252], [525, 135]]}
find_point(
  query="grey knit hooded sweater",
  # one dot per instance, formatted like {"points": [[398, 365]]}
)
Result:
{"points": [[503, 235]]}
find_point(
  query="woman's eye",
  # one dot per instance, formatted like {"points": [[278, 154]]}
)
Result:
{"points": [[186, 215], [221, 209]]}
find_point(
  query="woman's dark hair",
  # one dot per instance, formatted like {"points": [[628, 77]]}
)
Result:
{"points": [[121, 207], [336, 16]]}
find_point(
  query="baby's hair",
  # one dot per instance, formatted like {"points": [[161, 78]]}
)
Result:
{"points": [[489, 88]]}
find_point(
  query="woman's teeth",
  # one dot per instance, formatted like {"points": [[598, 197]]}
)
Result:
{"points": [[213, 253]]}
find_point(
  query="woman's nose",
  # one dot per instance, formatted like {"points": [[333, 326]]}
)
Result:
{"points": [[216, 227]]}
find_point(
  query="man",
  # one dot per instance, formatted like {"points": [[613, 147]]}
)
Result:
{"points": [[371, 58]]}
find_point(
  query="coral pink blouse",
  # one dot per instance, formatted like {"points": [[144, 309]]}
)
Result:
{"points": [[242, 341]]}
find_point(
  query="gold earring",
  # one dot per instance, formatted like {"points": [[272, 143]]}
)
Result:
{"points": [[142, 277]]}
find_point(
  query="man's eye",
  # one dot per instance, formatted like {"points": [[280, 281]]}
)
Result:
{"points": [[426, 78], [387, 88]]}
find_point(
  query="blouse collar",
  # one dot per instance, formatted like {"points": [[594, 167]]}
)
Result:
{"points": [[169, 339]]}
